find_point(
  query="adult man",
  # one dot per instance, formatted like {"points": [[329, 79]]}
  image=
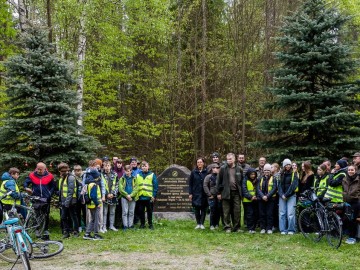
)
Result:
{"points": [[356, 162], [42, 185], [215, 157], [260, 169], [118, 168], [68, 198], [228, 184], [242, 163], [147, 190]]}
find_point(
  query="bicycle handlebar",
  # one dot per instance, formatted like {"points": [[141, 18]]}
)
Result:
{"points": [[5, 195]]}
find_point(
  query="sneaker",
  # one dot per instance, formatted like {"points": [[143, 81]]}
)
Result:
{"points": [[251, 231], [197, 227], [104, 229], [262, 231], [283, 233], [228, 230], [202, 227], [350, 241], [65, 235], [80, 229], [238, 230], [98, 237], [101, 231], [113, 228], [269, 231], [212, 228], [76, 234], [217, 227], [88, 236], [125, 229], [290, 233]]}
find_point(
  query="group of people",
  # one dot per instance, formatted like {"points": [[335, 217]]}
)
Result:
{"points": [[268, 193], [92, 197]]}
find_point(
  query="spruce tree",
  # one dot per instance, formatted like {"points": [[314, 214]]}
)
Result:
{"points": [[40, 124], [312, 98]]}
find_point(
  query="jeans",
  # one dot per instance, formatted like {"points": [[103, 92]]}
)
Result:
{"points": [[109, 208], [287, 216], [215, 211], [128, 209]]}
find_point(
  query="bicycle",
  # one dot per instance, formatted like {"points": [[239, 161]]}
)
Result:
{"points": [[317, 220], [15, 239], [37, 250]]}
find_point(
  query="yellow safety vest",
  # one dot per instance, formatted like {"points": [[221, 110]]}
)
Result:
{"points": [[8, 199], [98, 195], [106, 183], [64, 188], [145, 186], [335, 193], [251, 189], [322, 185], [270, 185]]}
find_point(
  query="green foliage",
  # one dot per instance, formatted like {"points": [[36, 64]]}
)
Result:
{"points": [[40, 124], [312, 90]]}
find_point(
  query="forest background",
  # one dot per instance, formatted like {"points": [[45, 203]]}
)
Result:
{"points": [[165, 80]]}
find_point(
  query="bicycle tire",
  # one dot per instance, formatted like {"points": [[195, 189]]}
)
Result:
{"points": [[24, 256], [334, 229], [46, 249], [310, 225], [34, 225], [8, 253]]}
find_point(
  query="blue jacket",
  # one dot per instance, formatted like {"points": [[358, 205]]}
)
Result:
{"points": [[42, 185]]}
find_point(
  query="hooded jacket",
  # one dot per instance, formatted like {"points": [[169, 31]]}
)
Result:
{"points": [[245, 192], [42, 185]]}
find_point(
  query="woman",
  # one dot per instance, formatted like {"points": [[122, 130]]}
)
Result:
{"points": [[307, 177], [351, 185], [197, 195], [335, 189], [321, 181], [287, 198]]}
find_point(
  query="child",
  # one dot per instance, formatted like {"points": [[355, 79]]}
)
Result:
{"points": [[250, 199], [211, 192], [93, 181], [9, 184], [128, 190], [111, 186]]}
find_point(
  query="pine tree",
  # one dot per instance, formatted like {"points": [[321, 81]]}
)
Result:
{"points": [[40, 124], [315, 104]]}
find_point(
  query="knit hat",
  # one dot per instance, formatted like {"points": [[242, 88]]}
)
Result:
{"points": [[342, 163], [267, 167], [286, 162]]}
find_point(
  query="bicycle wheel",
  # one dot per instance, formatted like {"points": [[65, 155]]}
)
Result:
{"points": [[8, 254], [46, 249], [334, 229], [34, 225], [24, 256], [310, 225]]}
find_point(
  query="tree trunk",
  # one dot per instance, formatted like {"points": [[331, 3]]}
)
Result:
{"points": [[48, 17], [203, 77]]}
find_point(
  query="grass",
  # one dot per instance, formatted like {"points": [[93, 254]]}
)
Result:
{"points": [[176, 245]]}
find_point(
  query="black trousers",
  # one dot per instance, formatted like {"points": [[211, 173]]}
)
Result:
{"points": [[266, 213], [251, 214], [81, 214], [145, 204], [200, 214], [69, 218]]}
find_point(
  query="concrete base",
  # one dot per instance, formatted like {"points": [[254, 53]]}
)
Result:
{"points": [[174, 215]]}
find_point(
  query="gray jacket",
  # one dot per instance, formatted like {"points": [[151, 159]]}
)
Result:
{"points": [[71, 188], [223, 181], [209, 185]]}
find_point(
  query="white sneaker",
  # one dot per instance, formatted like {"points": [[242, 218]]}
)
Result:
{"points": [[290, 233], [251, 231], [202, 227], [283, 233], [269, 231], [101, 231], [113, 228], [212, 228], [197, 227], [80, 229], [262, 231]]}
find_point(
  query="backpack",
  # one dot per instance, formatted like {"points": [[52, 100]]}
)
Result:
{"points": [[84, 195]]}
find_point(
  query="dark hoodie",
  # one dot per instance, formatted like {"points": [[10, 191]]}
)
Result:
{"points": [[288, 183], [245, 192]]}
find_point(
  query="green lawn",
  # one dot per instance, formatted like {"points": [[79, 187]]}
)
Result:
{"points": [[176, 245]]}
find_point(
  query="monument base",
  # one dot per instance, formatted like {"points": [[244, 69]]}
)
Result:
{"points": [[174, 215]]}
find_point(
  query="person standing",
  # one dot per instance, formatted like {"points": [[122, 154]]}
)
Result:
{"points": [[307, 177], [9, 184], [356, 162], [242, 163], [321, 181], [260, 168], [197, 194], [80, 208], [211, 192], [68, 199], [42, 185], [287, 187], [250, 200], [335, 188], [228, 185], [147, 184]]}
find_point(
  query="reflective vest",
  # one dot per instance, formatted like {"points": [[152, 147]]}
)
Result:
{"points": [[92, 205], [145, 186], [64, 188], [8, 199], [335, 193], [113, 186], [321, 186], [251, 189], [270, 184]]}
